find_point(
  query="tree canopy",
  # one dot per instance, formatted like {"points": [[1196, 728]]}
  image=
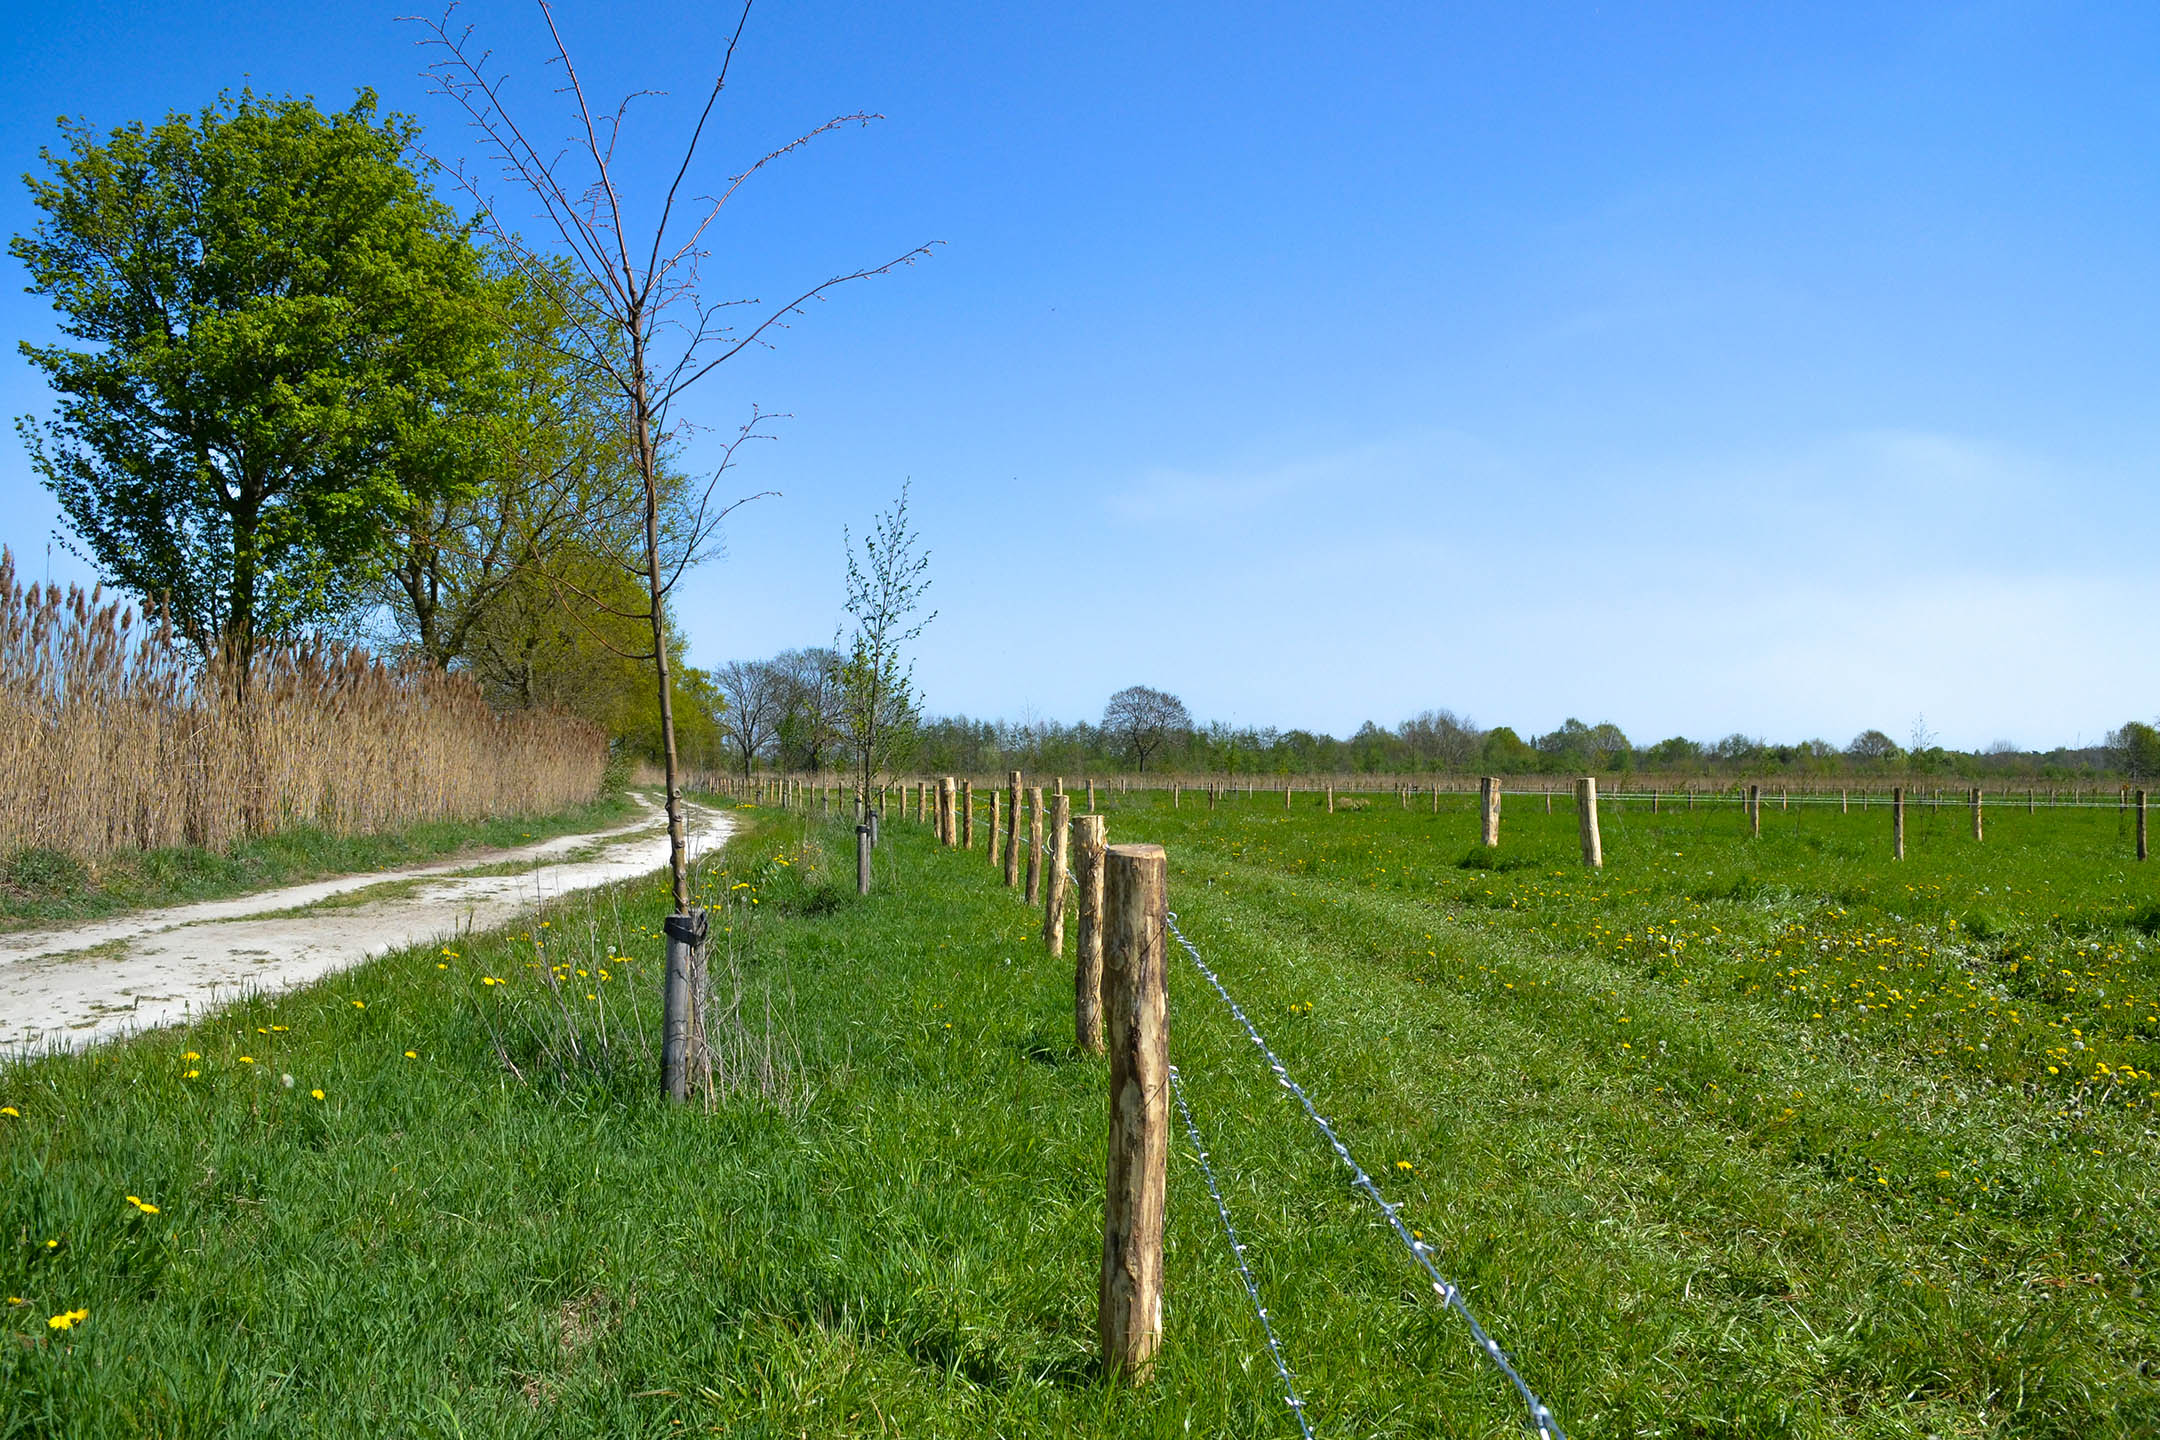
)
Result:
{"points": [[287, 336]]}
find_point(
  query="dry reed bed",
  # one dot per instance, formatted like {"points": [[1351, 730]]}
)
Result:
{"points": [[113, 736]]}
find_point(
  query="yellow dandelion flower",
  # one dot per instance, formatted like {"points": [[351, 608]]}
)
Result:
{"points": [[316, 1093], [68, 1319], [191, 1074], [143, 1205], [191, 1055], [10, 1110], [247, 1059], [411, 1056], [359, 1004]]}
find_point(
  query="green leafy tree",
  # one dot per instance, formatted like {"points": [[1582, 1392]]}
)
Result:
{"points": [[285, 335], [2136, 750], [1507, 753]]}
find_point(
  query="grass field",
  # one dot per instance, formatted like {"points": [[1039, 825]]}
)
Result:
{"points": [[46, 887], [1642, 1117]]}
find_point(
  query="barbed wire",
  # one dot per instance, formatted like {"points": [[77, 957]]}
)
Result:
{"points": [[1237, 1254], [1548, 1427]]}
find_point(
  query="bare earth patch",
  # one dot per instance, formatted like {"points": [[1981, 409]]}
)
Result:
{"points": [[65, 989]]}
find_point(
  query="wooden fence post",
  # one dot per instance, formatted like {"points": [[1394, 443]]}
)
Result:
{"points": [[967, 814], [1035, 845], [1058, 862], [1897, 822], [1286, 794], [997, 824], [1754, 810], [1091, 795], [2141, 824], [1843, 807], [1090, 838], [1135, 946], [1978, 833], [862, 858], [1489, 810], [1331, 797], [1012, 828], [948, 818], [1593, 851]]}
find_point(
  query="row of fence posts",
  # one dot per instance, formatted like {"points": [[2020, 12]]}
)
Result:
{"points": [[1120, 898], [951, 801]]}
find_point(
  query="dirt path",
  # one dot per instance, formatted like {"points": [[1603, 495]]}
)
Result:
{"points": [[64, 989]]}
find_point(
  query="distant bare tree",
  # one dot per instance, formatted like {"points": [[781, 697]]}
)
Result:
{"points": [[755, 692], [1144, 719], [1442, 740], [809, 723], [1872, 745]]}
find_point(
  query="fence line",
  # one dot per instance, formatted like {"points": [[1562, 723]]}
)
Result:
{"points": [[1237, 1254], [1541, 1416]]}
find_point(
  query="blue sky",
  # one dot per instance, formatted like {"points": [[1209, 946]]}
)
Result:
{"points": [[1787, 370]]}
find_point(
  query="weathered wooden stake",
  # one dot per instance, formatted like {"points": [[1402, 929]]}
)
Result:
{"points": [[1489, 810], [1129, 1322], [1897, 822], [1593, 851], [1090, 838], [862, 858], [1012, 828], [967, 814], [1331, 797], [1091, 795], [1177, 793], [1035, 845], [2141, 824], [1978, 832], [1843, 807], [1054, 882], [1754, 810]]}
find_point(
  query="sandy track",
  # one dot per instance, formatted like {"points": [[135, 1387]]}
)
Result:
{"points": [[65, 989]]}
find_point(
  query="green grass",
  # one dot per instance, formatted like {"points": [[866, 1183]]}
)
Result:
{"points": [[44, 887], [1684, 1204]]}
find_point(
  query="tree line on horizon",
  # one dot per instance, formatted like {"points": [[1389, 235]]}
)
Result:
{"points": [[775, 708]]}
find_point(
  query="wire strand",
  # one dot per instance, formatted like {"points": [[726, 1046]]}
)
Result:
{"points": [[1548, 1427], [1237, 1254]]}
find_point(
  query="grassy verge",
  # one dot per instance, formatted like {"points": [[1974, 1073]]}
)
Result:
{"points": [[44, 887], [1687, 1206]]}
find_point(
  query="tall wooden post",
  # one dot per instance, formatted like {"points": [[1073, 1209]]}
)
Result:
{"points": [[2141, 824], [1090, 838], [997, 825], [1593, 850], [1054, 882], [1489, 810], [1177, 793], [1129, 1322], [967, 814], [1897, 822], [1035, 845], [862, 858], [1843, 808], [1286, 794], [1331, 797], [1754, 810], [1978, 832], [1012, 828], [1091, 795]]}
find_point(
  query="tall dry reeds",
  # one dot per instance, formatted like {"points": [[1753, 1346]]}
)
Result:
{"points": [[113, 736]]}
